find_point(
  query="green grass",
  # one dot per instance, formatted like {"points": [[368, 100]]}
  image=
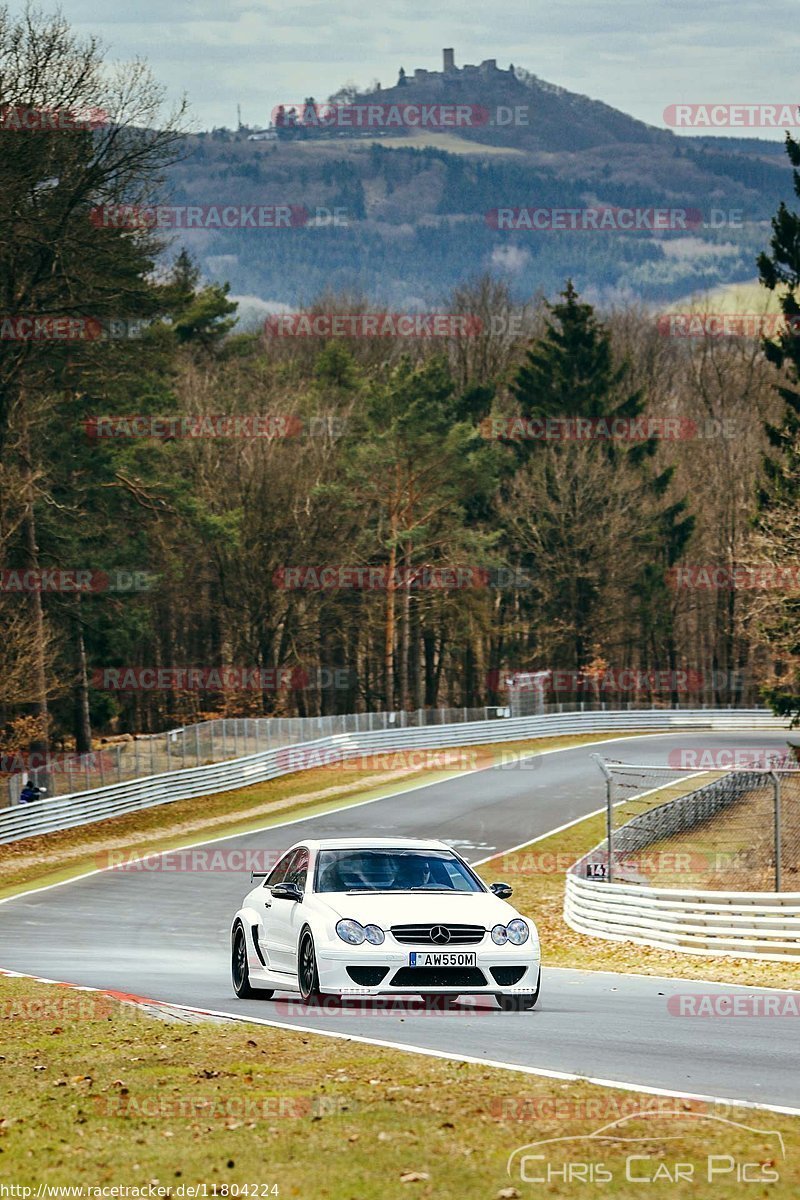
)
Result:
{"points": [[97, 1094]]}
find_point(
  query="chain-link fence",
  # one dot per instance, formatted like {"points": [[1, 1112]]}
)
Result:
{"points": [[61, 774], [717, 828]]}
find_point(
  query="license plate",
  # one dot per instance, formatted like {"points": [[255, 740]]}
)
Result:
{"points": [[440, 958]]}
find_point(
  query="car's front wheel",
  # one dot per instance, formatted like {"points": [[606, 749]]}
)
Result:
{"points": [[522, 1002], [307, 973], [240, 971]]}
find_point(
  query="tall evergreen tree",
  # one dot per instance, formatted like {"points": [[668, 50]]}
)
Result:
{"points": [[570, 373], [779, 496]]}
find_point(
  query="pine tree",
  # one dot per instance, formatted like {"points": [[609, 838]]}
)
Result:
{"points": [[779, 496], [570, 373]]}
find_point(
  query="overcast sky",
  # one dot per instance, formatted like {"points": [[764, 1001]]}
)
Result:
{"points": [[638, 57]]}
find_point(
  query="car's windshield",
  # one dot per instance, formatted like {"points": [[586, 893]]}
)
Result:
{"points": [[393, 871]]}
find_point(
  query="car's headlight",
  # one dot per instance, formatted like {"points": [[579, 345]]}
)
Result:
{"points": [[351, 932], [517, 931], [373, 934], [499, 935]]}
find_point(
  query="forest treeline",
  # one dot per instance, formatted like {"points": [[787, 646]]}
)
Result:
{"points": [[196, 521]]}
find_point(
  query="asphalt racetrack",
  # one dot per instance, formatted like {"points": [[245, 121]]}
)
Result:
{"points": [[165, 935]]}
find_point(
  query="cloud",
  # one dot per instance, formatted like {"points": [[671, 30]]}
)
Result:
{"points": [[509, 258], [634, 56]]}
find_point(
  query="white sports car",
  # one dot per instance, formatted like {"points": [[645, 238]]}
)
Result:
{"points": [[382, 916]]}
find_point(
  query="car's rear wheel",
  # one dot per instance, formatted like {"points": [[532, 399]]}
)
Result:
{"points": [[522, 1002], [240, 971], [307, 973]]}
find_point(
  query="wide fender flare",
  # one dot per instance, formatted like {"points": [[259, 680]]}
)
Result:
{"points": [[246, 917]]}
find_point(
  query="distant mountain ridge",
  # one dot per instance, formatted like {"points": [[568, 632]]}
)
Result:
{"points": [[418, 212], [558, 119], [555, 118]]}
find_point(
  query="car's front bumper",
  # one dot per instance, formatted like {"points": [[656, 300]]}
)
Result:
{"points": [[337, 968]]}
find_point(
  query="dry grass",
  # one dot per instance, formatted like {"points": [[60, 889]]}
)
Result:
{"points": [[98, 1095], [735, 850], [537, 876]]}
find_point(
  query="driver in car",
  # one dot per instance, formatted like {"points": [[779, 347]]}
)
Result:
{"points": [[416, 872]]}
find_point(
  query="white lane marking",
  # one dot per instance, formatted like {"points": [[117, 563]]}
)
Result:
{"points": [[410, 1049], [479, 862], [492, 1062], [227, 837], [543, 1072]]}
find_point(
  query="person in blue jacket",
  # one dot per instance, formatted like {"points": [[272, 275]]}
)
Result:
{"points": [[29, 793]]}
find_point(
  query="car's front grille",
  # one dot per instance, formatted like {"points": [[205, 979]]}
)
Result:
{"points": [[423, 935], [413, 978]]}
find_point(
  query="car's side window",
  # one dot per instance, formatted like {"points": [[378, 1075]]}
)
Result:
{"points": [[278, 872], [298, 869]]}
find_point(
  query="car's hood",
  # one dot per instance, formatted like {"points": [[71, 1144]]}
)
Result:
{"points": [[410, 908]]}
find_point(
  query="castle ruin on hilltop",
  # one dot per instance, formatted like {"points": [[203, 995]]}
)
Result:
{"points": [[488, 68]]}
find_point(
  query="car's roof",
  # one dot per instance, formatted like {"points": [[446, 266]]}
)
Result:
{"points": [[375, 843]]}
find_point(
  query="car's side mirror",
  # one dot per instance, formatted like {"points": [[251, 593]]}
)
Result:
{"points": [[286, 891], [502, 890]]}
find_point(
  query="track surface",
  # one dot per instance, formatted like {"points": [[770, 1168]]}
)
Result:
{"points": [[165, 935]]}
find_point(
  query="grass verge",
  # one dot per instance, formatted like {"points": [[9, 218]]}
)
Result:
{"points": [[51, 858], [537, 873], [103, 1096]]}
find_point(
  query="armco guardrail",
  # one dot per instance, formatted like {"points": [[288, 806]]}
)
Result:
{"points": [[65, 812], [737, 924], [692, 920]]}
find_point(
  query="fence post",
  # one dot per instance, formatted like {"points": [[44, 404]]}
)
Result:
{"points": [[776, 779], [197, 744], [167, 740], [609, 812]]}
